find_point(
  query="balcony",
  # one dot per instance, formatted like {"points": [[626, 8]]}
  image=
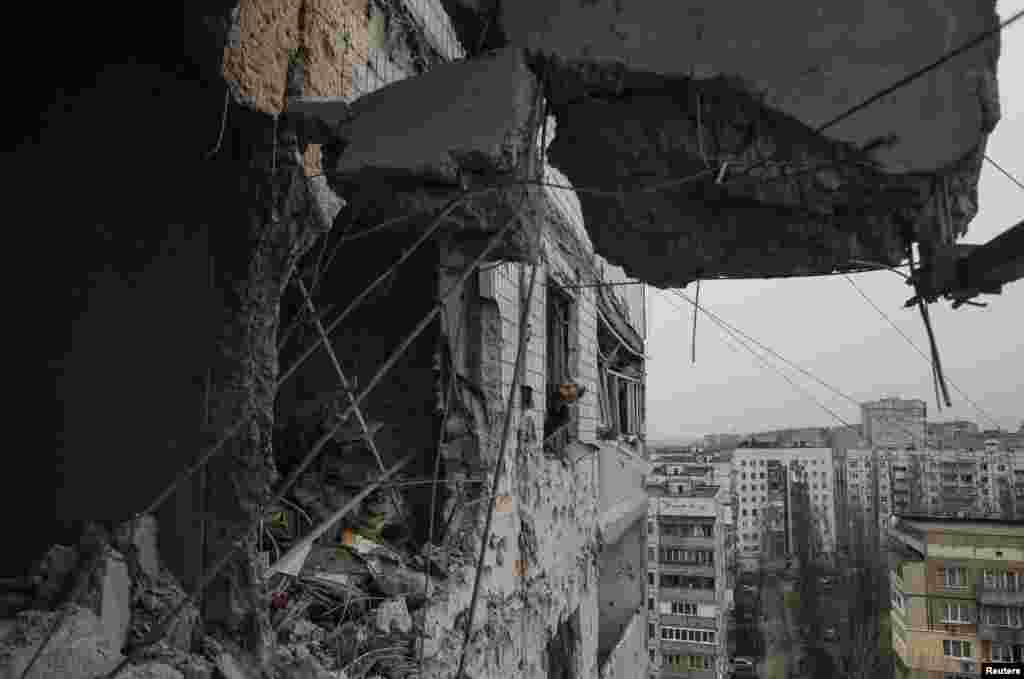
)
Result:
{"points": [[686, 594], [1001, 635], [674, 567], [689, 621], [995, 596], [694, 542]]}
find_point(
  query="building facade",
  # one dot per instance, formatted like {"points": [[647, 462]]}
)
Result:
{"points": [[894, 423], [689, 581], [867, 488], [765, 484], [957, 595]]}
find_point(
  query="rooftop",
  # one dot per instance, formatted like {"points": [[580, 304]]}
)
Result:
{"points": [[978, 526]]}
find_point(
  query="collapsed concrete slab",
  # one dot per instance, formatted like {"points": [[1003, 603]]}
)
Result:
{"points": [[680, 177], [463, 117], [810, 61], [79, 649]]}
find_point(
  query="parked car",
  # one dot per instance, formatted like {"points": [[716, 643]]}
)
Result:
{"points": [[743, 666], [831, 634]]}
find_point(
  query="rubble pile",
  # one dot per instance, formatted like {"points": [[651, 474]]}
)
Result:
{"points": [[352, 606]]}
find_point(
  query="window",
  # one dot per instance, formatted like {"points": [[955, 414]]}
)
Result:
{"points": [[699, 662], [650, 603], [650, 579], [621, 402], [1008, 581], [955, 648], [1002, 653], [1001, 616], [650, 630], [954, 577], [650, 526], [693, 636], [957, 613], [684, 608], [559, 351], [650, 554]]}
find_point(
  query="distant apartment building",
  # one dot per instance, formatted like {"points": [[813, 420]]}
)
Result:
{"points": [[894, 423], [914, 482], [764, 488], [688, 579], [866, 488], [957, 595], [966, 483], [952, 434]]}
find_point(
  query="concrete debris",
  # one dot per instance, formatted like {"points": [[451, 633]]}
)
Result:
{"points": [[155, 599], [304, 631], [395, 580], [393, 612], [115, 598], [139, 539], [305, 668], [151, 671], [230, 668], [79, 649], [318, 118], [464, 116], [51, 574]]}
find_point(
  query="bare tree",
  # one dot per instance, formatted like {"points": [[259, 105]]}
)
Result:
{"points": [[866, 588]]}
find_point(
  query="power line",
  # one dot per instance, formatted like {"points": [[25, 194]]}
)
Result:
{"points": [[736, 332], [733, 329], [1005, 173], [918, 349], [762, 360]]}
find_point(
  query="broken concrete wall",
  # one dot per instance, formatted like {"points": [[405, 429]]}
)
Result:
{"points": [[350, 48], [629, 657], [622, 568]]}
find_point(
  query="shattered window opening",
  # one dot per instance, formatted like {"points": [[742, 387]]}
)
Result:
{"points": [[558, 429]]}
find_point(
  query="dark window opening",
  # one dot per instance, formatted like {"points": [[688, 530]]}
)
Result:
{"points": [[561, 655], [558, 423]]}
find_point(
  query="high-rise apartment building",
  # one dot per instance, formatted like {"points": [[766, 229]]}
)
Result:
{"points": [[957, 595], [688, 580], [894, 423], [867, 487], [764, 490]]}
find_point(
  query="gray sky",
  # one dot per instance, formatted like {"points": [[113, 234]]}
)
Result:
{"points": [[826, 327]]}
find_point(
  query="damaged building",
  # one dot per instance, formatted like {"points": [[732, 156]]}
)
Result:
{"points": [[354, 382]]}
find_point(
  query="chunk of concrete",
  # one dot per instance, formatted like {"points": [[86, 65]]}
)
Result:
{"points": [[393, 612], [143, 540], [79, 649], [115, 599], [155, 670], [468, 115]]}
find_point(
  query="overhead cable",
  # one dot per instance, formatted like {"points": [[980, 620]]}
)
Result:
{"points": [[919, 350]]}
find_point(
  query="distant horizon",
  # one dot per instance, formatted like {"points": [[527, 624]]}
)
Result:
{"points": [[685, 439]]}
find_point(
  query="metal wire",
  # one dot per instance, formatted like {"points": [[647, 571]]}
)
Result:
{"points": [[346, 385], [920, 351]]}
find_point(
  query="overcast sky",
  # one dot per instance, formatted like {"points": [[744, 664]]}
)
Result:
{"points": [[826, 327]]}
